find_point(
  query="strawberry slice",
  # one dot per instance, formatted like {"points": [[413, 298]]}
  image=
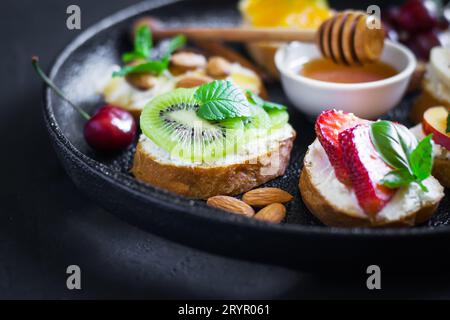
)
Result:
{"points": [[365, 168], [328, 126]]}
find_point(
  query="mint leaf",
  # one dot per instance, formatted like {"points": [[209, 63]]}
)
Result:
{"points": [[421, 159], [273, 106], [397, 178], [392, 142], [130, 56], [173, 45], [143, 44], [253, 98], [153, 66], [221, 100]]}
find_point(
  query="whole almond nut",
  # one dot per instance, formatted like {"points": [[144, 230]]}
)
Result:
{"points": [[231, 204], [141, 81], [191, 81], [218, 67], [184, 61], [274, 213], [264, 196]]}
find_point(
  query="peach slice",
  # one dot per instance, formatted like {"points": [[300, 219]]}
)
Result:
{"points": [[435, 122]]}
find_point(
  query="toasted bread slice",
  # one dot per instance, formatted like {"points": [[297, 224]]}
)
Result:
{"points": [[227, 176], [441, 170], [336, 205]]}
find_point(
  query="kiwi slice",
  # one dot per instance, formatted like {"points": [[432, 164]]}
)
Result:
{"points": [[259, 120], [170, 121], [278, 118]]}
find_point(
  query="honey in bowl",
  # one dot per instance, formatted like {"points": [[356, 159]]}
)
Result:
{"points": [[328, 71]]}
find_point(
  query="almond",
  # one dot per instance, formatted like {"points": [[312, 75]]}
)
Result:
{"points": [[184, 61], [218, 67], [231, 204], [274, 213], [264, 196], [141, 81], [191, 81]]}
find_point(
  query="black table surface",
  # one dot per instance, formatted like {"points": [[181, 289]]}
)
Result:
{"points": [[46, 224]]}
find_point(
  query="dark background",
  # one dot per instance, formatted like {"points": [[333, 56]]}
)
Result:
{"points": [[46, 224]]}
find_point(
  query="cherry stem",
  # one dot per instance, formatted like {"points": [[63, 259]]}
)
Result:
{"points": [[35, 63]]}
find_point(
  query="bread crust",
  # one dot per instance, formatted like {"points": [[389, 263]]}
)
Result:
{"points": [[205, 182], [332, 216], [441, 171], [425, 100]]}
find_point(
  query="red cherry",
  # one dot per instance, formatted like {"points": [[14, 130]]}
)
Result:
{"points": [[110, 129]]}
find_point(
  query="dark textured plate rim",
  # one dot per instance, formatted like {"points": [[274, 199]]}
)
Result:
{"points": [[164, 198]]}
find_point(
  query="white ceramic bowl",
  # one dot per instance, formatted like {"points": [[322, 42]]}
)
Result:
{"points": [[368, 100]]}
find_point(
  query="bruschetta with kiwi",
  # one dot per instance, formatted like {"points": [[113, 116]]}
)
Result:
{"points": [[214, 139], [360, 173], [149, 72], [436, 121]]}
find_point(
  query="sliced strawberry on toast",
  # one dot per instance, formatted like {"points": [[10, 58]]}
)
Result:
{"points": [[328, 126], [365, 168]]}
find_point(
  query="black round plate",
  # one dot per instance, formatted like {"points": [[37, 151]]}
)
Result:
{"points": [[302, 242]]}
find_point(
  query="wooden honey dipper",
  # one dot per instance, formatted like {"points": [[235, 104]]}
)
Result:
{"points": [[344, 38]]}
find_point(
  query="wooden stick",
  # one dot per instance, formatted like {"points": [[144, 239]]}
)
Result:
{"points": [[239, 34]]}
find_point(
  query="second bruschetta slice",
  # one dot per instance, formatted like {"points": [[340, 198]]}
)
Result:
{"points": [[359, 173]]}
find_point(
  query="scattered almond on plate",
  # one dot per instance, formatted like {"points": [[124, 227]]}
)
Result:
{"points": [[270, 199], [274, 213], [264, 196], [231, 204]]}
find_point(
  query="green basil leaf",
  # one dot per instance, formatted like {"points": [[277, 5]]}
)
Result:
{"points": [[447, 130], [143, 42], [154, 66], [392, 143], [421, 159], [407, 139], [397, 178], [221, 100]]}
